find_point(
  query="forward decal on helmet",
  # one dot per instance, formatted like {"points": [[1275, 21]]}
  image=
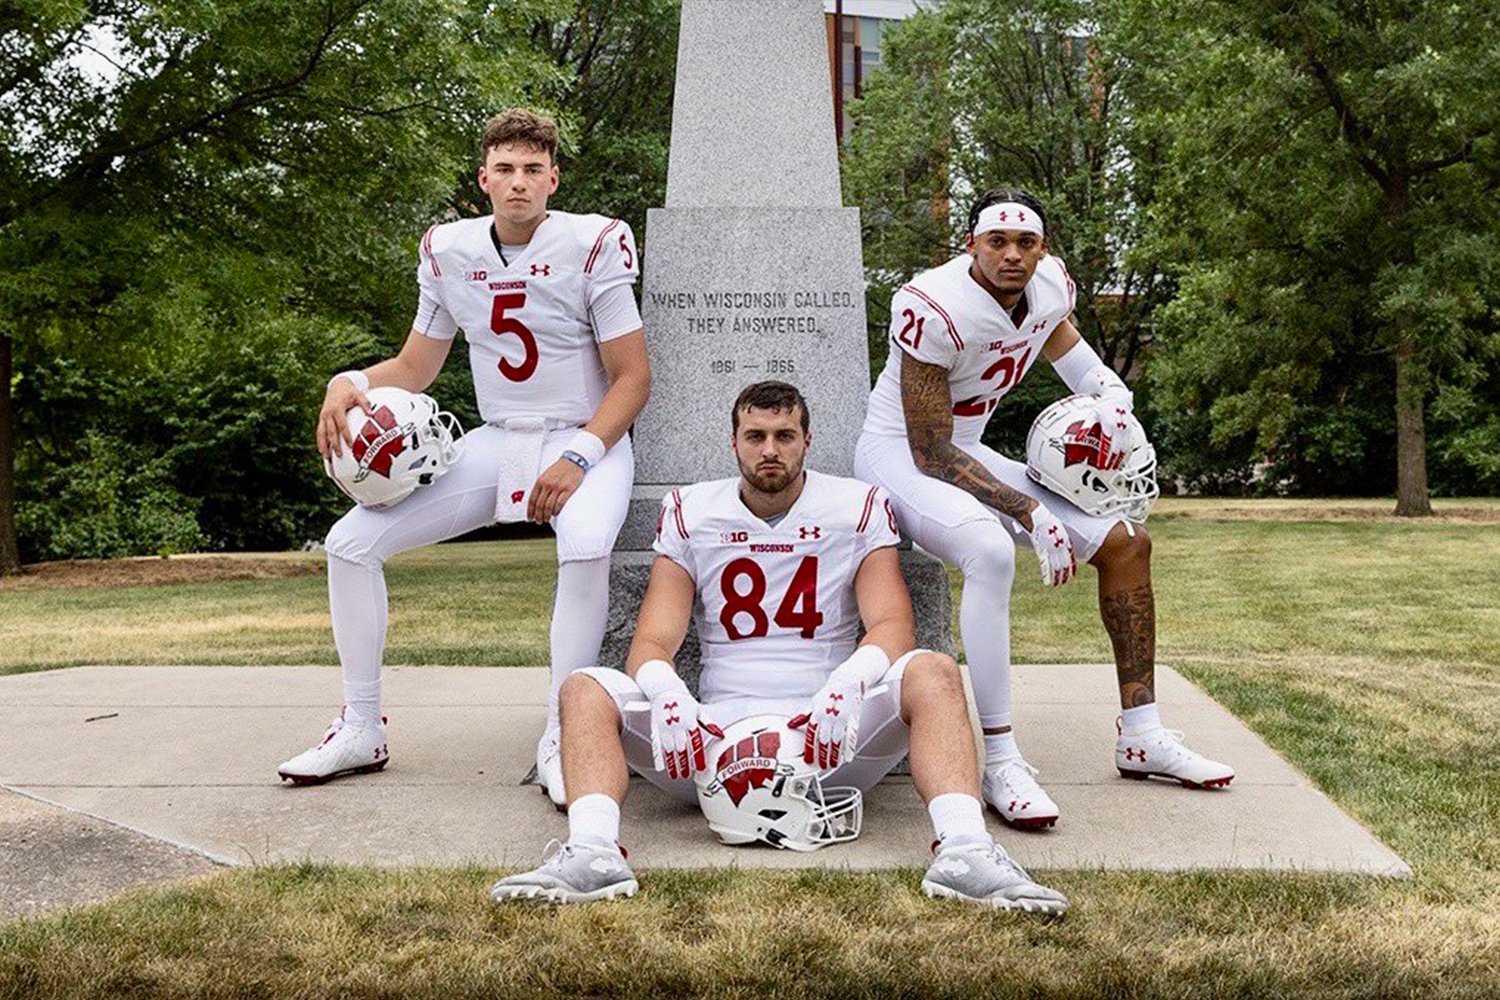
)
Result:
{"points": [[750, 763], [376, 449]]}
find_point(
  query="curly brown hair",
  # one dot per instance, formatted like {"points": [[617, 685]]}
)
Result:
{"points": [[520, 127]]}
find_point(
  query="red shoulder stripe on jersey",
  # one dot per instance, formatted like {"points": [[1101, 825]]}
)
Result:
{"points": [[431, 257], [864, 519], [952, 330], [1072, 291], [677, 512], [599, 245]]}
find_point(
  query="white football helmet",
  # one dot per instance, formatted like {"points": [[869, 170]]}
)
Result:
{"points": [[1068, 452], [408, 442], [758, 788]]}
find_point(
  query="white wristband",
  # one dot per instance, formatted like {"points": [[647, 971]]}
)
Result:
{"points": [[588, 445], [360, 379], [867, 664], [656, 677]]}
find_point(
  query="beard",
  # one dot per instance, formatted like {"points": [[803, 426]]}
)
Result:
{"points": [[771, 479]]}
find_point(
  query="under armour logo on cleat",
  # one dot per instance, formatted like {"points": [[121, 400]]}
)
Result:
{"points": [[1130, 754]]}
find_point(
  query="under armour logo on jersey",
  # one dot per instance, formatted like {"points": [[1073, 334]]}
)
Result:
{"points": [[545, 270], [517, 495], [814, 532]]}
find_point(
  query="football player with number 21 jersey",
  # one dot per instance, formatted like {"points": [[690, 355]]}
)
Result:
{"points": [[560, 373], [777, 568], [963, 335]]}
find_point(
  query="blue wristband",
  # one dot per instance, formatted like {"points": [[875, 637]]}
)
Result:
{"points": [[576, 459]]}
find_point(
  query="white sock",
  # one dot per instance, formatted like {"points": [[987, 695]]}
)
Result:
{"points": [[987, 560], [999, 746], [357, 605], [1140, 720], [594, 819], [957, 818], [579, 612]]}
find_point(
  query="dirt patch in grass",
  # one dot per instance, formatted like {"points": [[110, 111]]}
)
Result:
{"points": [[71, 574], [1288, 510]]}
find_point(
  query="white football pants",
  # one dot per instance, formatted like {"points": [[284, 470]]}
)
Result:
{"points": [[461, 500], [953, 525], [884, 737]]}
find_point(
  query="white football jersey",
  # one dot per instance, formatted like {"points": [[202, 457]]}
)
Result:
{"points": [[943, 317], [532, 343], [775, 608]]}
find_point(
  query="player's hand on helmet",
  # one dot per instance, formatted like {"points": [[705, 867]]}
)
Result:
{"points": [[553, 487], [1117, 438], [1053, 547], [333, 423], [677, 722]]}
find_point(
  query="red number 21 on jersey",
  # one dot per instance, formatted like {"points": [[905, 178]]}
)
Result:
{"points": [[502, 324]]}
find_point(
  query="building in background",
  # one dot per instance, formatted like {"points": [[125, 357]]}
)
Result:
{"points": [[860, 51]]}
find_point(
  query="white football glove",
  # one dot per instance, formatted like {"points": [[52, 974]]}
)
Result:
{"points": [[677, 723], [1118, 439], [833, 723], [1053, 547]]}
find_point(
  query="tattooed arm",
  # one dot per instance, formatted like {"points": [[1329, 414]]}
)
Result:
{"points": [[928, 405]]}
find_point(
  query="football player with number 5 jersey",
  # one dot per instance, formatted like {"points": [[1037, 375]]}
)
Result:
{"points": [[777, 569], [558, 357], [963, 335]]}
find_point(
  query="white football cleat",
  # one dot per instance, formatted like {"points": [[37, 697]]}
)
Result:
{"points": [[549, 768], [1160, 752], [1010, 789], [982, 873], [571, 873], [348, 747]]}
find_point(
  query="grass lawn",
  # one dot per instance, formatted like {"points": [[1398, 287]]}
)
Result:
{"points": [[1364, 649]]}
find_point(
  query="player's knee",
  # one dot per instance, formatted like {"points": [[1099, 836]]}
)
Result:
{"points": [[581, 695], [582, 540], [1125, 547], [346, 541], [933, 676], [989, 554]]}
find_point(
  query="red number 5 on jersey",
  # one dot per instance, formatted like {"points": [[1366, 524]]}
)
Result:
{"points": [[798, 608], [503, 324]]}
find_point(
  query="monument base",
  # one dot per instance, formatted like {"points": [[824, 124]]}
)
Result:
{"points": [[926, 579]]}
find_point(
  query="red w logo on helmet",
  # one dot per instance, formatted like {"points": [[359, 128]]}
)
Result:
{"points": [[380, 435], [750, 763], [1087, 443]]}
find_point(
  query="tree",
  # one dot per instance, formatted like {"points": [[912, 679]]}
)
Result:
{"points": [[1334, 214], [183, 181]]}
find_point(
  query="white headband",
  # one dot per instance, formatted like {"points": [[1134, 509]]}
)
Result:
{"points": [[1009, 215]]}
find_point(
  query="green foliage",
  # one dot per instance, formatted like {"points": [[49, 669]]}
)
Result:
{"points": [[1330, 202], [116, 498]]}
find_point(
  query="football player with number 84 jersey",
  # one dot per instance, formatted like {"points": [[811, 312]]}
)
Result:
{"points": [[558, 358], [777, 567]]}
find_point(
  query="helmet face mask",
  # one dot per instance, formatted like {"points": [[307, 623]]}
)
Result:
{"points": [[761, 791], [404, 443], [1062, 451]]}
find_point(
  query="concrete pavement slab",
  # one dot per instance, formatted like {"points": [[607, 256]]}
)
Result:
{"points": [[52, 857], [188, 754]]}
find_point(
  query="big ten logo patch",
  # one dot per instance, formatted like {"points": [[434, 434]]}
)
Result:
{"points": [[734, 537]]}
